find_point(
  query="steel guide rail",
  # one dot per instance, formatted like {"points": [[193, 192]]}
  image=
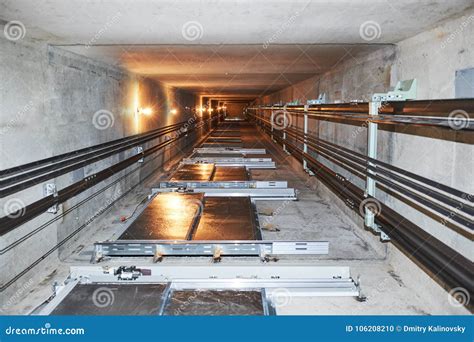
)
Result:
{"points": [[417, 113], [10, 222], [22, 177], [358, 164], [443, 263]]}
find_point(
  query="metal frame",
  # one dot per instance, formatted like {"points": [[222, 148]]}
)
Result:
{"points": [[161, 248], [257, 190], [225, 150], [297, 280], [249, 163]]}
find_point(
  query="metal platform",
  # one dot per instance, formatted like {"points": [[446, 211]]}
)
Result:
{"points": [[236, 173], [169, 216], [202, 172], [193, 290]]}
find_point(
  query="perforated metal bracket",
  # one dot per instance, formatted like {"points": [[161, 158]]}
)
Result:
{"points": [[320, 100], [48, 190], [404, 90]]}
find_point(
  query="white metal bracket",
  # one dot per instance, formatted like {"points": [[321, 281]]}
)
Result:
{"points": [[139, 150], [404, 90], [320, 100], [48, 190]]}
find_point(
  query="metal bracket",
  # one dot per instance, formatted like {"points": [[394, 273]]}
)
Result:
{"points": [[48, 190], [139, 150], [215, 249], [404, 90], [320, 100]]}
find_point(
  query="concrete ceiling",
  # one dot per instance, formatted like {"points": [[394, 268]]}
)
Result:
{"points": [[227, 69], [227, 47]]}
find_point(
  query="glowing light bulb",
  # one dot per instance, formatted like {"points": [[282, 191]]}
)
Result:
{"points": [[146, 111]]}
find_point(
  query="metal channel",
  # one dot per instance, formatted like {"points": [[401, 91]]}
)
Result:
{"points": [[121, 248], [256, 194]]}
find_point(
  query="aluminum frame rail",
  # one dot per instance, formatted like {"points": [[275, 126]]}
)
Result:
{"points": [[296, 280], [444, 263], [249, 163], [257, 190], [162, 248]]}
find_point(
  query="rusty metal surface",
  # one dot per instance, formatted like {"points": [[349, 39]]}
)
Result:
{"points": [[218, 155], [214, 303], [197, 172], [221, 144], [227, 218], [112, 299], [230, 173], [169, 216], [228, 133]]}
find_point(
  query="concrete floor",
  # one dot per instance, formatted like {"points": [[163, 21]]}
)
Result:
{"points": [[391, 283]]}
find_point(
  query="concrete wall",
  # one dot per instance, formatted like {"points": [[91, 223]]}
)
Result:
{"points": [[432, 57], [53, 102]]}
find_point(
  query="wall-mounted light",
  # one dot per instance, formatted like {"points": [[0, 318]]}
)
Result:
{"points": [[144, 111], [174, 111]]}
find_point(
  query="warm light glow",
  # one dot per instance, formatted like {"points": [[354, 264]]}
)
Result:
{"points": [[174, 111], [219, 108], [146, 111]]}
